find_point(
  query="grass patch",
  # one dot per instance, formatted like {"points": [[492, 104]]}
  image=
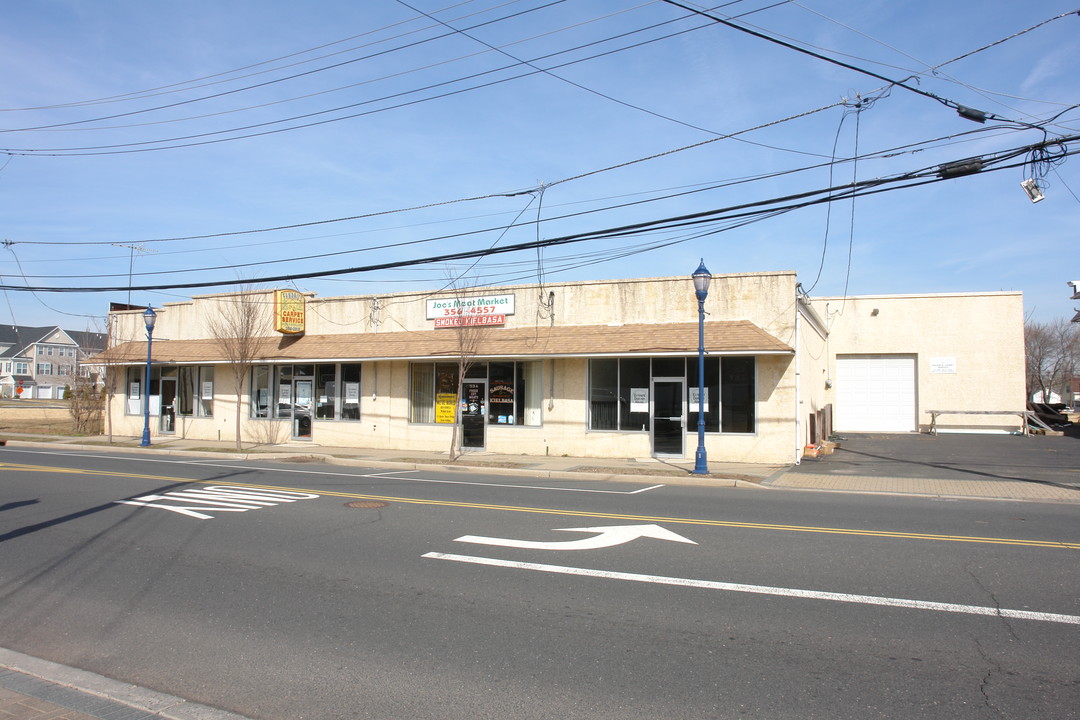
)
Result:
{"points": [[631, 471], [460, 461], [33, 438]]}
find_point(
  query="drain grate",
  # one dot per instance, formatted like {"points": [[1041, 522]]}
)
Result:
{"points": [[366, 504]]}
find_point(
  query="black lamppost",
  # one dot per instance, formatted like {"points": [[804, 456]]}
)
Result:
{"points": [[149, 317], [702, 277]]}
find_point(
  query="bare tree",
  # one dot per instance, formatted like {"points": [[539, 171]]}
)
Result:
{"points": [[89, 400], [468, 338], [1052, 351], [87, 404], [111, 376], [244, 319]]}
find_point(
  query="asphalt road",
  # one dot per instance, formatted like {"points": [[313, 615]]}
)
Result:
{"points": [[442, 596]]}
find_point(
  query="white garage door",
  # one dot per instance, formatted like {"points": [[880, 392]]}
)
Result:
{"points": [[875, 393]]}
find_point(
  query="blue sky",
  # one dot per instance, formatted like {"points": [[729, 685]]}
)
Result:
{"points": [[121, 125]]}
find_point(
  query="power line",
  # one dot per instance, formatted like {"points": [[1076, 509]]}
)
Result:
{"points": [[964, 111], [273, 81], [459, 200], [115, 149], [924, 176], [180, 86]]}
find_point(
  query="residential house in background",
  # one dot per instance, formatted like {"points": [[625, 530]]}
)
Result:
{"points": [[41, 362]]}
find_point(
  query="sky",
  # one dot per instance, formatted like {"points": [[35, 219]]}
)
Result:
{"points": [[149, 145]]}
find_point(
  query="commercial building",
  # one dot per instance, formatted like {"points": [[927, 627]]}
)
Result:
{"points": [[589, 369]]}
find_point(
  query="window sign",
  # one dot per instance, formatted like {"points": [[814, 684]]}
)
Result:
{"points": [[694, 404], [352, 393], [639, 400], [285, 394], [133, 393], [444, 407], [208, 390], [501, 393], [303, 393]]}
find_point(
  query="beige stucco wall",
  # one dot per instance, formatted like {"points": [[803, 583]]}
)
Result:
{"points": [[766, 299], [983, 332], [814, 362]]}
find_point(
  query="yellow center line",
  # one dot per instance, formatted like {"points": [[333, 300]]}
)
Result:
{"points": [[576, 513]]}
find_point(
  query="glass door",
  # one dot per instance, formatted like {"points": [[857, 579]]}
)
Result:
{"points": [[303, 400], [473, 414], [167, 420], [668, 418]]}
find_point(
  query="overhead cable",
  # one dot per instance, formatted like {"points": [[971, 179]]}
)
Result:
{"points": [[991, 162]]}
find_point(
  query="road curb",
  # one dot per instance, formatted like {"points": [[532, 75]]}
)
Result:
{"points": [[161, 704], [718, 480]]}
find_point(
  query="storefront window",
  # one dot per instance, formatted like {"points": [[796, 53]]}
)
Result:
{"points": [[712, 394], [633, 382], [204, 392], [529, 393], [618, 387], [325, 391], [737, 395], [260, 391], [669, 367], [501, 393], [185, 391], [604, 394], [349, 397], [195, 391], [136, 389], [514, 391], [422, 393], [336, 388]]}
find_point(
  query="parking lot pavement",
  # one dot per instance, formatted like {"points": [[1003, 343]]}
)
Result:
{"points": [[961, 465]]}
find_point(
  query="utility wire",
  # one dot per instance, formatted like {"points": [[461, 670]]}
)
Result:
{"points": [[179, 142], [459, 200], [579, 86], [191, 84], [963, 110], [997, 161], [273, 81]]}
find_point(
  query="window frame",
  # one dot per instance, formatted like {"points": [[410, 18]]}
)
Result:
{"points": [[720, 418], [430, 379]]}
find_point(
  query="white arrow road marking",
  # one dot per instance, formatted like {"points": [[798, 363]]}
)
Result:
{"points": [[767, 590], [606, 537]]}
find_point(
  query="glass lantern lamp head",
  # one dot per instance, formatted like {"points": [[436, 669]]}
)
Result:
{"points": [[702, 277], [149, 317]]}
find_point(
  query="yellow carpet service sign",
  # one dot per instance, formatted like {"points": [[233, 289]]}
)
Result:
{"points": [[288, 312]]}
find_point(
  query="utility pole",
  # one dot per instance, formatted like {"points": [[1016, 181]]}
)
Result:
{"points": [[131, 260]]}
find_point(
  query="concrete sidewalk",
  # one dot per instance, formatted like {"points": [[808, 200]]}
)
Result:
{"points": [[35, 689], [673, 472]]}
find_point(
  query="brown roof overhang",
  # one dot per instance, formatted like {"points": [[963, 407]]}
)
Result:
{"points": [[739, 337]]}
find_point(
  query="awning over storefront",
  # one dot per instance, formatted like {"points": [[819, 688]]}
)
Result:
{"points": [[721, 338]]}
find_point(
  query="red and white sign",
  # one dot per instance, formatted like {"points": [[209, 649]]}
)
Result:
{"points": [[463, 320]]}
